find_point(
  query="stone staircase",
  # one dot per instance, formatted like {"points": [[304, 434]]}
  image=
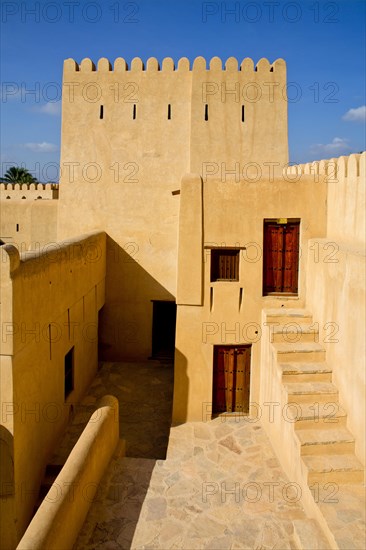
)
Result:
{"points": [[325, 445]]}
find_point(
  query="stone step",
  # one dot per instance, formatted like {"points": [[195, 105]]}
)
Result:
{"points": [[288, 315], [335, 440], [293, 332], [325, 468], [299, 352], [305, 372], [314, 416], [311, 392]]}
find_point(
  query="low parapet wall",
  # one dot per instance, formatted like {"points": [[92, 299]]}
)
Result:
{"points": [[30, 191], [64, 509]]}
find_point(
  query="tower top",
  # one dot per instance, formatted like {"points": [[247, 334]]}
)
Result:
{"points": [[167, 65]]}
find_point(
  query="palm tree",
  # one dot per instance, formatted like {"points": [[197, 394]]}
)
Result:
{"points": [[18, 175]]}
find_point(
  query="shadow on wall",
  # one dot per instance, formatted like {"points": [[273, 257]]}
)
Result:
{"points": [[181, 389], [8, 531], [125, 324]]}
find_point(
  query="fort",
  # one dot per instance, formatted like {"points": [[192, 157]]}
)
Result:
{"points": [[180, 232]]}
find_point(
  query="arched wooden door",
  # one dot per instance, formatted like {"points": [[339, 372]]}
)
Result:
{"points": [[231, 379]]}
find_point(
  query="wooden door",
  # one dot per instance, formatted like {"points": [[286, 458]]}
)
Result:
{"points": [[280, 257], [231, 379]]}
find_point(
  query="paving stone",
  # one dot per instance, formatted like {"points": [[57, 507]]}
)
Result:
{"points": [[196, 485]]}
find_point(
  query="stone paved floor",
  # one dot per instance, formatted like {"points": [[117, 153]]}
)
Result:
{"points": [[220, 487], [145, 394], [213, 491]]}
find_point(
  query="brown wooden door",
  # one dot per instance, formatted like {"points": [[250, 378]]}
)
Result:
{"points": [[231, 379], [280, 257]]}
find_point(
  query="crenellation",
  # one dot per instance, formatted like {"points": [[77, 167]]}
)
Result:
{"points": [[104, 65], [216, 64], [70, 66], [152, 64], [120, 65], [137, 64], [263, 66], [168, 64], [247, 65], [354, 165], [30, 191], [199, 64], [87, 65], [231, 64], [183, 64], [343, 167], [362, 166]]}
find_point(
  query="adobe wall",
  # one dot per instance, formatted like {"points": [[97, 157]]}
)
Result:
{"points": [[26, 191], [28, 224], [336, 287], [210, 313], [122, 157], [50, 302]]}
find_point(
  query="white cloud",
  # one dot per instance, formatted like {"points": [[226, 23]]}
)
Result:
{"points": [[356, 115], [51, 108], [43, 147], [337, 147]]}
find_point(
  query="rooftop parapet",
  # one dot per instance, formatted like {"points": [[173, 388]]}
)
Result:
{"points": [[183, 65], [351, 166]]}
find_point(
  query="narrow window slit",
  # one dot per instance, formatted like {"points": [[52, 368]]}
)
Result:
{"points": [[134, 112], [17, 226], [101, 112], [240, 298], [211, 298], [169, 112], [206, 111], [242, 113]]}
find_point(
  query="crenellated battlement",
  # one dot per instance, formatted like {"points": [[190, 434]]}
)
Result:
{"points": [[30, 191], [199, 64], [350, 166]]}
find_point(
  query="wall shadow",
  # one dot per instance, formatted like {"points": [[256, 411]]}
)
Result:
{"points": [[125, 323], [181, 389], [115, 512], [145, 394]]}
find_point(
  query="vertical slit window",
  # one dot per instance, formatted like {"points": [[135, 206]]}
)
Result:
{"points": [[134, 112], [169, 112], [101, 112], [69, 372], [206, 111], [17, 226], [242, 113]]}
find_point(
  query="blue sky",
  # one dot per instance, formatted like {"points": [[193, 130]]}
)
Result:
{"points": [[322, 42]]}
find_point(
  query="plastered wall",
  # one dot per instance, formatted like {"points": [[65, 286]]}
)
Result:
{"points": [[50, 303], [336, 287], [232, 215]]}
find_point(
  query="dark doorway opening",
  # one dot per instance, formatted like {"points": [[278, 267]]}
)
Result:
{"points": [[231, 379], [163, 329]]}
